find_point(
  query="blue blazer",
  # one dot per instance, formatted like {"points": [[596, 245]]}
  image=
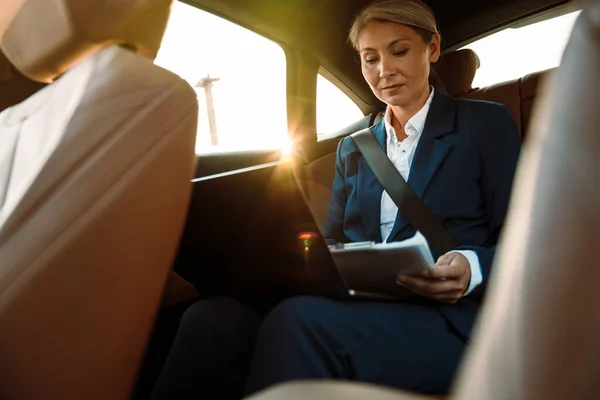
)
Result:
{"points": [[462, 170]]}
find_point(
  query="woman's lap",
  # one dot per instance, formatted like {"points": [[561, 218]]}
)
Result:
{"points": [[410, 346]]}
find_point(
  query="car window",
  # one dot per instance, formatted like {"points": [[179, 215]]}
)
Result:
{"points": [[335, 110], [239, 76], [515, 52]]}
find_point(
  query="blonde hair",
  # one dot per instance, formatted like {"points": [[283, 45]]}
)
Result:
{"points": [[412, 13]]}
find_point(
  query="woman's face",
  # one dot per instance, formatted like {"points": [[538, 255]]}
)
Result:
{"points": [[395, 62]]}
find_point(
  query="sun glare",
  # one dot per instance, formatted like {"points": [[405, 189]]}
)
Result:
{"points": [[286, 148]]}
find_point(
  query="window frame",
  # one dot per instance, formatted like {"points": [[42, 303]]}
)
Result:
{"points": [[333, 79], [541, 16], [360, 104], [224, 14]]}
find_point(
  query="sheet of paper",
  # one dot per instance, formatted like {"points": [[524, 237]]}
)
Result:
{"points": [[374, 267]]}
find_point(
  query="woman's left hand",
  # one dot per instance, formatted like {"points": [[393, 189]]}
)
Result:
{"points": [[447, 281]]}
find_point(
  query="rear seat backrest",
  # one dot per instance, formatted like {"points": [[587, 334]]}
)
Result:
{"points": [[532, 86], [506, 93], [518, 95]]}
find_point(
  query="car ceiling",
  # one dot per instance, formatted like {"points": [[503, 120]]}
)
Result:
{"points": [[319, 27]]}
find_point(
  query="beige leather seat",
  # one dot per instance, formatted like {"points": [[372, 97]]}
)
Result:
{"points": [[9, 9], [95, 175], [519, 95], [538, 335], [457, 70]]}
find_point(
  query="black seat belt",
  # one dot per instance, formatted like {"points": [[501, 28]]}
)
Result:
{"points": [[405, 198]]}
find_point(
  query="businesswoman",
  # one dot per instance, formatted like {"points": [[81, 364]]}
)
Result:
{"points": [[459, 157]]}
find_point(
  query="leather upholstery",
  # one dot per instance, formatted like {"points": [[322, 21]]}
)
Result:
{"points": [[80, 28], [457, 70], [532, 86], [537, 338], [506, 93], [319, 390], [518, 95], [9, 10], [95, 175]]}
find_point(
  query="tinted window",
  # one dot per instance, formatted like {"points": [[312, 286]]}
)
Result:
{"points": [[244, 72]]}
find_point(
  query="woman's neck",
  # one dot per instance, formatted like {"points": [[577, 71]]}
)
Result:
{"points": [[401, 115]]}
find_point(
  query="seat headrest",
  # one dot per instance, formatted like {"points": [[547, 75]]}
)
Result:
{"points": [[9, 9], [47, 37], [457, 70]]}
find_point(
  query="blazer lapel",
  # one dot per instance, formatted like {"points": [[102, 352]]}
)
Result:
{"points": [[370, 190], [431, 150]]}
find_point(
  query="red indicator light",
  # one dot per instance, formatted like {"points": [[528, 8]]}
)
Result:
{"points": [[305, 236], [306, 239]]}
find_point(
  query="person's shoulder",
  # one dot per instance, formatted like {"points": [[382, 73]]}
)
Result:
{"points": [[347, 145], [481, 108], [495, 118]]}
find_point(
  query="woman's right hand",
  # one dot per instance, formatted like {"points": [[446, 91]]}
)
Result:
{"points": [[446, 282]]}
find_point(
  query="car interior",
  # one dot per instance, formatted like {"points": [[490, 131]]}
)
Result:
{"points": [[102, 194], [536, 336]]}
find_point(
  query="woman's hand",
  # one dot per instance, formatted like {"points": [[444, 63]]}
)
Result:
{"points": [[447, 281]]}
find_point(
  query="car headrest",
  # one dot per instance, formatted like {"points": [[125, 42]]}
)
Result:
{"points": [[47, 37], [457, 70], [9, 9]]}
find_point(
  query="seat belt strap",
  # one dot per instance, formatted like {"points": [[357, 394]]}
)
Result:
{"points": [[409, 204]]}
